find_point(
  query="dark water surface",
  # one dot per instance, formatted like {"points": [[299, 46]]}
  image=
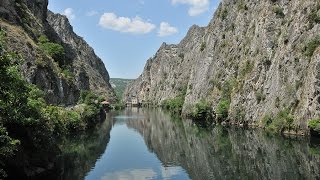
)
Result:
{"points": [[149, 144]]}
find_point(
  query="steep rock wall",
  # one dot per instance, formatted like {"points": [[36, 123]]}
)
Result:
{"points": [[259, 50], [24, 22]]}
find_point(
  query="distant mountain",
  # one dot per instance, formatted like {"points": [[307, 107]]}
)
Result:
{"points": [[119, 85]]}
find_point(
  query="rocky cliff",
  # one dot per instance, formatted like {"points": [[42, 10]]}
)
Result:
{"points": [[89, 71], [262, 56], [63, 76]]}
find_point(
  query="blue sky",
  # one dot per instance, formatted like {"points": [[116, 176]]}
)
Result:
{"points": [[125, 33]]}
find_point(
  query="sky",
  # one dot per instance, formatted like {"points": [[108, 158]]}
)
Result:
{"points": [[126, 33]]}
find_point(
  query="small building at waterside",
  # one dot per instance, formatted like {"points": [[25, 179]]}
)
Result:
{"points": [[133, 101]]}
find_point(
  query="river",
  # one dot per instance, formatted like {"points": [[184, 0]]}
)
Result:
{"points": [[150, 144]]}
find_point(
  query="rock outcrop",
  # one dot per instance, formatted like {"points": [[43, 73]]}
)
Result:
{"points": [[61, 78], [263, 54], [89, 70]]}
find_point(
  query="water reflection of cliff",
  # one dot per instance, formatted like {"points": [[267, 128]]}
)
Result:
{"points": [[81, 152], [226, 153]]}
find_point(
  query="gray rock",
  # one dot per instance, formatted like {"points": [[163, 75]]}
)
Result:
{"points": [[24, 21], [256, 46]]}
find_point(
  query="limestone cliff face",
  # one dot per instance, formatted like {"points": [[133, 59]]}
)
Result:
{"points": [[89, 70], [61, 78], [167, 73], [261, 50]]}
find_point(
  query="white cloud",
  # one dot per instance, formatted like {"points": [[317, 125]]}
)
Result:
{"points": [[134, 174], [69, 13], [197, 6], [91, 13], [124, 24], [166, 29]]}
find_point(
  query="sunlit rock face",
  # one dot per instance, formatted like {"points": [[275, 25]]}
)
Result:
{"points": [[259, 48], [89, 70], [24, 21], [226, 153]]}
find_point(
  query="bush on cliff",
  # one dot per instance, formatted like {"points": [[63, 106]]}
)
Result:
{"points": [[27, 124], [202, 111], [314, 125]]}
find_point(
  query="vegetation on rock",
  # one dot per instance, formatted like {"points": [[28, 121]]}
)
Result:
{"points": [[27, 122], [314, 125], [280, 122], [202, 111], [50, 48], [175, 105]]}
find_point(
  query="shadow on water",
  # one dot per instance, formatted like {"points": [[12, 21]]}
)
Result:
{"points": [[227, 153], [80, 152]]}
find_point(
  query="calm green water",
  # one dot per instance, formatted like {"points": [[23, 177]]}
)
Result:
{"points": [[149, 144]]}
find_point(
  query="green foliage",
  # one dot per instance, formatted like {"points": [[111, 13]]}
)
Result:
{"points": [[311, 46], [202, 111], [174, 105], [68, 74], [119, 105], [119, 86], [278, 11], [282, 121], [222, 109], [90, 98], [52, 49], [313, 17], [223, 106], [8, 146], [2, 38], [314, 124], [25, 115], [203, 46], [224, 14]]}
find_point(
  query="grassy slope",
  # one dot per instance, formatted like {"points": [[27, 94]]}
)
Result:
{"points": [[119, 85]]}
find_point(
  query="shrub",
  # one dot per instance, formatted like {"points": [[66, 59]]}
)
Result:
{"points": [[8, 146], [2, 38], [50, 48], [203, 46], [174, 105], [181, 55], [279, 11], [201, 111], [67, 74], [282, 121], [224, 14], [25, 115], [241, 5], [314, 125], [314, 17], [88, 97], [223, 109], [311, 46]]}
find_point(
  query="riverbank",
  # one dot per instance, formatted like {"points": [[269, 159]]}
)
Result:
{"points": [[29, 127]]}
